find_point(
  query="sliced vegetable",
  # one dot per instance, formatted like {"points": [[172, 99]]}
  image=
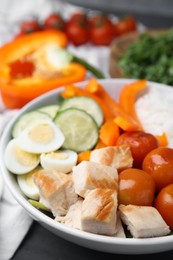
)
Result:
{"points": [[109, 132], [88, 104], [27, 119], [72, 90], [111, 104], [84, 156], [128, 96], [18, 90], [51, 110], [38, 205], [79, 128]]}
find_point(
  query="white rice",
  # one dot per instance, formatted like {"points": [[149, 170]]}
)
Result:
{"points": [[155, 110]]}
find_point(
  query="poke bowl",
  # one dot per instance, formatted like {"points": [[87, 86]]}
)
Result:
{"points": [[126, 244]]}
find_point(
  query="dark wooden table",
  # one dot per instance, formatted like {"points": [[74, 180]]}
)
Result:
{"points": [[41, 244]]}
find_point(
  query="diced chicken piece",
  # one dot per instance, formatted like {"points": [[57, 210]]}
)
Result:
{"points": [[99, 211], [90, 175], [119, 157], [143, 221], [73, 217], [119, 228], [56, 190]]}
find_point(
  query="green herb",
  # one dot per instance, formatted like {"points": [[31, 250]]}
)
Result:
{"points": [[151, 57]]}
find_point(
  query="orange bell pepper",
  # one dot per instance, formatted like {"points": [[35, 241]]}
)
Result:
{"points": [[17, 91]]}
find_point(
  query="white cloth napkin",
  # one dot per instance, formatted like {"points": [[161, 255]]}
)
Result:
{"points": [[14, 221]]}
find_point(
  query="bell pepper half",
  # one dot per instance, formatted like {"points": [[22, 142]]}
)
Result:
{"points": [[29, 67]]}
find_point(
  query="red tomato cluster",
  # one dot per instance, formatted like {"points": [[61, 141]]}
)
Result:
{"points": [[80, 28], [150, 181]]}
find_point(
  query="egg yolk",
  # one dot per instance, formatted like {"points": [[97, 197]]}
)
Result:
{"points": [[25, 158], [41, 133]]}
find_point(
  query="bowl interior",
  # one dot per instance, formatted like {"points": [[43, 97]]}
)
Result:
{"points": [[93, 241]]}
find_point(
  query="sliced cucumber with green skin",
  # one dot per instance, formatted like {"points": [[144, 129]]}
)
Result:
{"points": [[79, 128], [38, 205], [51, 110], [88, 104], [27, 119]]}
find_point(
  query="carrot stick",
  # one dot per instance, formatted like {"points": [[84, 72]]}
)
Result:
{"points": [[128, 97], [94, 87], [162, 139], [84, 156], [109, 133]]}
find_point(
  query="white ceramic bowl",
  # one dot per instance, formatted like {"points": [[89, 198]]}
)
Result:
{"points": [[89, 240]]}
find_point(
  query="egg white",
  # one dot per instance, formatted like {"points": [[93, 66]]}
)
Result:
{"points": [[18, 161], [27, 185], [62, 160], [40, 143]]}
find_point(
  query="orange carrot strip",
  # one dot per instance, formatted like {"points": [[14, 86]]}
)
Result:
{"points": [[109, 133], [162, 139], [128, 97], [84, 156], [125, 124], [99, 144], [113, 106], [68, 92], [82, 92]]}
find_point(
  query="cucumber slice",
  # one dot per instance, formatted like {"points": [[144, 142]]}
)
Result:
{"points": [[79, 128], [51, 110], [89, 105], [27, 119]]}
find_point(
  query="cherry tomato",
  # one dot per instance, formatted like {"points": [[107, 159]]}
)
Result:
{"points": [[141, 143], [164, 204], [135, 187], [79, 17], [101, 30], [77, 30], [54, 21], [125, 25], [21, 69], [30, 26], [159, 164]]}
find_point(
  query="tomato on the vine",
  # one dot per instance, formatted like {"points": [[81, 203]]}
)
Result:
{"points": [[164, 204], [159, 164], [125, 25], [135, 187], [54, 21], [29, 26], [77, 29], [101, 30], [140, 142]]}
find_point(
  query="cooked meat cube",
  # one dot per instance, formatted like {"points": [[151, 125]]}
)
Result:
{"points": [[56, 190], [99, 211], [143, 221], [119, 227], [119, 157], [90, 175], [73, 217]]}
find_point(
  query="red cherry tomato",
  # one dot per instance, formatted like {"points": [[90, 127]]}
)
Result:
{"points": [[30, 26], [77, 29], [79, 17], [54, 21], [164, 204], [159, 164], [21, 69], [141, 143], [101, 30], [135, 187], [125, 25]]}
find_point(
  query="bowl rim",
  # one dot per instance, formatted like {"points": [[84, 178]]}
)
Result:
{"points": [[44, 219]]}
